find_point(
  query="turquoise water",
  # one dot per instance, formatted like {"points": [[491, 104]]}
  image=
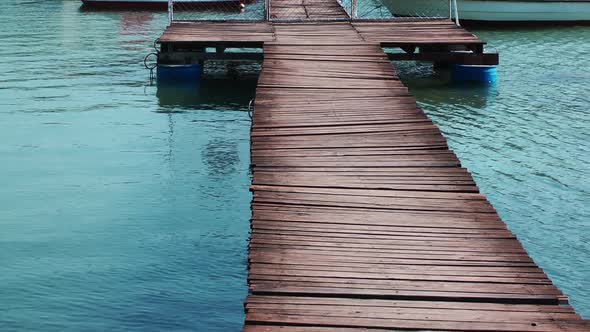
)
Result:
{"points": [[125, 207], [525, 139]]}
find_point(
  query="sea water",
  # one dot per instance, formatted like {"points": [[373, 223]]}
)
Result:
{"points": [[125, 207]]}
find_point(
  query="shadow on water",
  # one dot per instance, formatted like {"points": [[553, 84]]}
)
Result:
{"points": [[220, 88], [221, 157], [218, 93], [437, 89]]}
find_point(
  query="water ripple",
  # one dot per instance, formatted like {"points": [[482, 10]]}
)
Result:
{"points": [[525, 139], [125, 208]]}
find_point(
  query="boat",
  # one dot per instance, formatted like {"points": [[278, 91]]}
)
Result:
{"points": [[154, 4], [501, 10]]}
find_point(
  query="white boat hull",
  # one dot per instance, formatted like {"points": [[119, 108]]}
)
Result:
{"points": [[498, 11]]}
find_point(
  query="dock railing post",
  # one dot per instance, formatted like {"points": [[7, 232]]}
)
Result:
{"points": [[456, 12], [267, 9], [450, 9], [354, 9], [170, 11]]}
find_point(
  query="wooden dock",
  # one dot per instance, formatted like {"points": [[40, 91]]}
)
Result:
{"points": [[306, 10], [362, 218]]}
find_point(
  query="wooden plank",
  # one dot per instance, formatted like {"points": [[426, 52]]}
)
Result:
{"points": [[321, 227], [362, 218]]}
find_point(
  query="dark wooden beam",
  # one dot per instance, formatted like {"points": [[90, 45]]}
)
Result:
{"points": [[229, 56], [490, 59]]}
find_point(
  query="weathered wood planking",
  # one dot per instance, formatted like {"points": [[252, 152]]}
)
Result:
{"points": [[385, 33], [294, 10], [362, 218], [223, 34]]}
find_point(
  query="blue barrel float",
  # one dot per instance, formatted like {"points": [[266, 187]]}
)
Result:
{"points": [[474, 73], [174, 73]]}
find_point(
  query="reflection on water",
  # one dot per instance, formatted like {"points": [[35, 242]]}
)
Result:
{"points": [[125, 206], [216, 92], [122, 209], [435, 88], [221, 157], [526, 142]]}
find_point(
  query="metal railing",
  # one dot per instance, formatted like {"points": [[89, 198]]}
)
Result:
{"points": [[312, 10], [216, 10]]}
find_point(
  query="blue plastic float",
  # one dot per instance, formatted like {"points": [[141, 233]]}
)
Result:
{"points": [[474, 73], [190, 73]]}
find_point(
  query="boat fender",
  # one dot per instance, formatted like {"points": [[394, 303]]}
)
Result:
{"points": [[474, 73]]}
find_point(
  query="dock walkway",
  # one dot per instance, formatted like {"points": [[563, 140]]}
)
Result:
{"points": [[362, 218], [306, 10]]}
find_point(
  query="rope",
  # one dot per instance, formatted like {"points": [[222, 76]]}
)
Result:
{"points": [[156, 45], [250, 108], [153, 66]]}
